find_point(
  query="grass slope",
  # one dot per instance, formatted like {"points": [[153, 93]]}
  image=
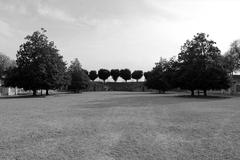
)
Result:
{"points": [[119, 126]]}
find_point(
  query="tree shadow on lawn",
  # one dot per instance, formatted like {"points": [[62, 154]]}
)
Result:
{"points": [[148, 100], [22, 97], [209, 97], [175, 94], [187, 95], [127, 93]]}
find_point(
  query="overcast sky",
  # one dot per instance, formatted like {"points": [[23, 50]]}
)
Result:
{"points": [[118, 33]]}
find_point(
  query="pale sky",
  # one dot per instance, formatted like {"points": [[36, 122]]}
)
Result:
{"points": [[119, 34]]}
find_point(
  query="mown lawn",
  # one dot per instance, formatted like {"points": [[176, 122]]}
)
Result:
{"points": [[119, 126]]}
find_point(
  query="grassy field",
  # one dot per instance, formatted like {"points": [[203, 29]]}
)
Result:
{"points": [[119, 126]]}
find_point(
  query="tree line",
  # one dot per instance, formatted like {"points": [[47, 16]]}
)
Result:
{"points": [[39, 66], [198, 66]]}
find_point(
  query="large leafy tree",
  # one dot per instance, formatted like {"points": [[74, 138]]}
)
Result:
{"points": [[137, 74], [93, 75], [115, 73], [125, 74], [39, 66], [199, 59], [79, 79], [103, 74]]}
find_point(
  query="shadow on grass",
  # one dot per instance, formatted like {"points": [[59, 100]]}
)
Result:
{"points": [[128, 93], [204, 97], [187, 95], [148, 100], [22, 97]]}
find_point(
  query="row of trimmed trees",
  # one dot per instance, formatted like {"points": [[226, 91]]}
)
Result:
{"points": [[198, 66], [125, 74]]}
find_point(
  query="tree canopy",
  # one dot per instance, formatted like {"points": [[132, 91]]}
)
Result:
{"points": [[199, 67], [93, 75], [161, 76], [39, 66], [137, 74], [115, 73], [199, 59], [125, 74], [103, 74], [146, 74]]}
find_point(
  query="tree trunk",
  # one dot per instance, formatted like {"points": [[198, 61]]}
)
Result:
{"points": [[34, 92], [192, 92], [205, 92], [137, 80], [47, 92]]}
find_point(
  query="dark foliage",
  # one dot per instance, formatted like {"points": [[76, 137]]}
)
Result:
{"points": [[115, 73], [103, 74], [12, 77], [199, 61], [162, 76], [93, 75], [39, 66], [146, 74], [137, 74], [125, 74]]}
